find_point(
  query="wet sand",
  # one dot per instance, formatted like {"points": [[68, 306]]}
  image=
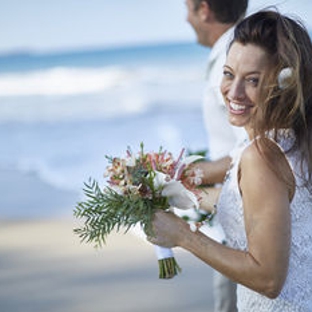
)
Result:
{"points": [[44, 267]]}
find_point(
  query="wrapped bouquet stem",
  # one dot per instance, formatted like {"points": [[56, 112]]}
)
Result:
{"points": [[167, 264], [138, 185]]}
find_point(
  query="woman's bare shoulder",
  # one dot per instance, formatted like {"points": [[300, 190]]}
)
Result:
{"points": [[267, 157]]}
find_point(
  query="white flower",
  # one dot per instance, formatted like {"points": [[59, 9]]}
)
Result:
{"points": [[185, 162], [284, 77], [190, 159], [179, 196], [193, 226], [198, 176], [160, 179], [188, 214]]}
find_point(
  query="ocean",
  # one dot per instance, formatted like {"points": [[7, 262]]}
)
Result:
{"points": [[61, 113]]}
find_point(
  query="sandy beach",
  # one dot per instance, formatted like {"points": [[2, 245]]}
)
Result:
{"points": [[45, 268]]}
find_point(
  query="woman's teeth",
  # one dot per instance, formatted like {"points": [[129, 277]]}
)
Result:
{"points": [[237, 107]]}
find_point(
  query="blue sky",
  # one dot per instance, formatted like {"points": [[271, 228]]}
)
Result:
{"points": [[46, 25]]}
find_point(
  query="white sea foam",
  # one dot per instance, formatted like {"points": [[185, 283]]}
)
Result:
{"points": [[77, 81], [86, 93], [62, 81]]}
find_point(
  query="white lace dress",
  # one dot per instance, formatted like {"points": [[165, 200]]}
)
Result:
{"points": [[296, 294]]}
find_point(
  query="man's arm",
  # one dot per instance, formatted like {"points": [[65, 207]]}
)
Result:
{"points": [[214, 171]]}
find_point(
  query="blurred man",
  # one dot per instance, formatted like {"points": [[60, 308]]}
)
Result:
{"points": [[213, 22]]}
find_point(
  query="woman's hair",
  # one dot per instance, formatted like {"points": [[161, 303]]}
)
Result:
{"points": [[286, 105]]}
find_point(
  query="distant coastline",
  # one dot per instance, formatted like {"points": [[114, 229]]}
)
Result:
{"points": [[20, 60]]}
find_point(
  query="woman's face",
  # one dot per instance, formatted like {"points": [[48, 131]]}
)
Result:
{"points": [[244, 75]]}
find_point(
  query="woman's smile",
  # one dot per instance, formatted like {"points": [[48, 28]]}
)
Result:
{"points": [[238, 109]]}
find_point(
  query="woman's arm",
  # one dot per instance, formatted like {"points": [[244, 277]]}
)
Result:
{"points": [[263, 267]]}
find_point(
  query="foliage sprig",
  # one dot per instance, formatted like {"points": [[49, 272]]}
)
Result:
{"points": [[105, 211]]}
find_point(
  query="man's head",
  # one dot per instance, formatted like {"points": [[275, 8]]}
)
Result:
{"points": [[226, 11], [211, 18]]}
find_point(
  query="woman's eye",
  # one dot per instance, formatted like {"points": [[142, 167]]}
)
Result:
{"points": [[227, 74], [253, 80]]}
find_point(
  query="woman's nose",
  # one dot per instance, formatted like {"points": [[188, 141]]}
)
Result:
{"points": [[237, 91]]}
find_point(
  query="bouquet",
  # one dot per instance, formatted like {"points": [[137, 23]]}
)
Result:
{"points": [[138, 185]]}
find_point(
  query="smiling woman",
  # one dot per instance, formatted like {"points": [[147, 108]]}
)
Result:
{"points": [[264, 205]]}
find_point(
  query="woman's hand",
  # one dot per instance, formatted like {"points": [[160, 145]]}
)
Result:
{"points": [[167, 229]]}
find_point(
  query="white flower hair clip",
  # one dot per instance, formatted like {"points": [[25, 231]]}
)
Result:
{"points": [[283, 78]]}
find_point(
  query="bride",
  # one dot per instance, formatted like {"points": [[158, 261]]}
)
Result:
{"points": [[265, 206]]}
